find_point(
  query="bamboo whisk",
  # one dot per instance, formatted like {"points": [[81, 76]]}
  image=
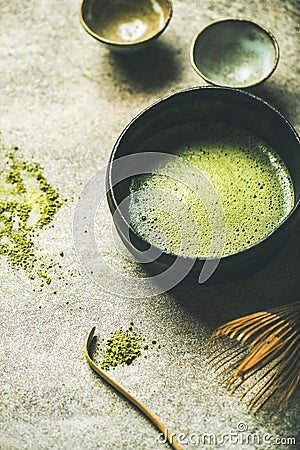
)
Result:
{"points": [[259, 355]]}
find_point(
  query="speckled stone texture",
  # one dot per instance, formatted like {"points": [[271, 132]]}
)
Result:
{"points": [[64, 100]]}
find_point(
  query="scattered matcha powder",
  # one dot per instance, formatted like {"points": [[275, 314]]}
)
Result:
{"points": [[110, 410], [123, 347], [28, 203]]}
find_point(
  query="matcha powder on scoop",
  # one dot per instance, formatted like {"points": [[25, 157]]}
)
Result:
{"points": [[123, 347]]}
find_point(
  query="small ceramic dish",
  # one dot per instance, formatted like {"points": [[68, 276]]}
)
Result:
{"points": [[234, 53], [125, 25]]}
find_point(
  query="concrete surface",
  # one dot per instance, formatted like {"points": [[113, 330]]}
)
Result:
{"points": [[64, 99]]}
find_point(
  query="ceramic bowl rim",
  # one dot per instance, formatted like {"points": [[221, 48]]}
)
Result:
{"points": [[120, 44], [252, 97], [230, 19]]}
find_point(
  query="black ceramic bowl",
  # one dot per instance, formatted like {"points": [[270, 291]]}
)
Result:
{"points": [[227, 105]]}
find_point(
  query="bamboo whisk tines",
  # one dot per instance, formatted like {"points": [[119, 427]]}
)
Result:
{"points": [[258, 356]]}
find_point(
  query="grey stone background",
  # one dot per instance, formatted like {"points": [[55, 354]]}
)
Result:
{"points": [[64, 100]]}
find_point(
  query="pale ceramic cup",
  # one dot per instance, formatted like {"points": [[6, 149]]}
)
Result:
{"points": [[234, 53], [125, 25]]}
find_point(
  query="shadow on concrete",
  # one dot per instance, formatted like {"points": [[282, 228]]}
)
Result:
{"points": [[283, 101], [149, 69]]}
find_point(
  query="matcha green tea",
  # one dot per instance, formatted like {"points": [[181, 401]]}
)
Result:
{"points": [[250, 180]]}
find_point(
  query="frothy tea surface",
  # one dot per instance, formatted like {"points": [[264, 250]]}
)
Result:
{"points": [[226, 189]]}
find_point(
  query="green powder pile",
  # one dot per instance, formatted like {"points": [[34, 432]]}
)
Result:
{"points": [[122, 348], [28, 203]]}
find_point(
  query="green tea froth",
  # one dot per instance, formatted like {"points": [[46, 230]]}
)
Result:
{"points": [[249, 178]]}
